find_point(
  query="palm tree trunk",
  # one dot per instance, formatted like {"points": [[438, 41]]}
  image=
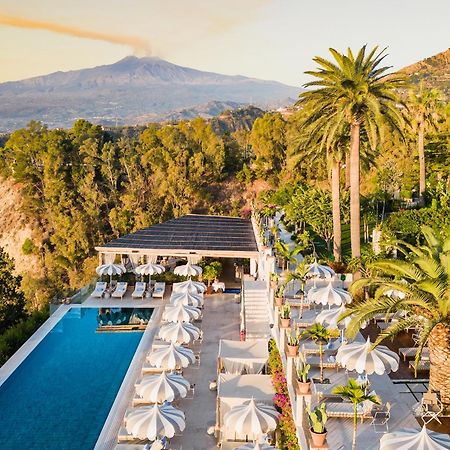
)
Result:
{"points": [[347, 170], [439, 345], [422, 169], [355, 227], [321, 360], [355, 424], [335, 194]]}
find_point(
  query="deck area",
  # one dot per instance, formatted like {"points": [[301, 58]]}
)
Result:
{"points": [[126, 302]]}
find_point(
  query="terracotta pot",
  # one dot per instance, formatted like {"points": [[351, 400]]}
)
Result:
{"points": [[292, 350], [279, 301], [285, 323], [318, 439], [303, 388], [209, 290]]}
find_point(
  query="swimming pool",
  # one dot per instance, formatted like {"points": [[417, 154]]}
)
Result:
{"points": [[60, 395]]}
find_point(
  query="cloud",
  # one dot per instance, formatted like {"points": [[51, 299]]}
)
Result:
{"points": [[140, 46]]}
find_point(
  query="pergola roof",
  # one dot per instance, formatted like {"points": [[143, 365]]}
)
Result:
{"points": [[219, 236]]}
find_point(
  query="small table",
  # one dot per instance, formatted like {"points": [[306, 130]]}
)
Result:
{"points": [[218, 285]]}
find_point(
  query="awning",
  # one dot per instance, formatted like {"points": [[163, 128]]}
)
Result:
{"points": [[238, 357]]}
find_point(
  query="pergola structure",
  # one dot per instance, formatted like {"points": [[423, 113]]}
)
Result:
{"points": [[192, 236]]}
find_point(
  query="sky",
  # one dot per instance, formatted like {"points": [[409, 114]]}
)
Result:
{"points": [[267, 39]]}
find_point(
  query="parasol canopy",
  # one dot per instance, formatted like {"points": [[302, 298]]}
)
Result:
{"points": [[181, 313], [153, 421], [252, 419], [188, 270], [179, 332], [361, 357], [316, 270], [171, 357], [330, 295], [194, 287], [187, 298], [162, 387], [412, 439]]}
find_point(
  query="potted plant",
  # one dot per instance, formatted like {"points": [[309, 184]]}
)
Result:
{"points": [[279, 296], [303, 382], [318, 419], [211, 271], [285, 314], [293, 341], [273, 280]]}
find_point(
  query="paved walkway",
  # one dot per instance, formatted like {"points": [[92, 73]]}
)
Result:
{"points": [[220, 321]]}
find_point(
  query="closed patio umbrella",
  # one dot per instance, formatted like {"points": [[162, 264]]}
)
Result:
{"points": [[181, 313], [252, 419], [110, 269], [186, 298], [179, 332], [194, 287], [153, 421], [412, 439], [188, 270], [330, 295], [360, 356], [329, 318], [171, 357], [162, 387]]}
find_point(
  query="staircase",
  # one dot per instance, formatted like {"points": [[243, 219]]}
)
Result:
{"points": [[256, 311]]}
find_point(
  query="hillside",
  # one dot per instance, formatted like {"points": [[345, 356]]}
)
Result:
{"points": [[434, 72], [132, 91]]}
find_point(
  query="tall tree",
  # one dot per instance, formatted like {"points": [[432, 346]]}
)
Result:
{"points": [[424, 106], [424, 278], [355, 92]]}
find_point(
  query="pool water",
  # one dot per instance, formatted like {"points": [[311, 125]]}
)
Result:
{"points": [[61, 394]]}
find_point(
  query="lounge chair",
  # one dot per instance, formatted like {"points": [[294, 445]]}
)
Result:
{"points": [[139, 289], [423, 365], [158, 291], [430, 407], [410, 352], [120, 290], [345, 410], [100, 289]]}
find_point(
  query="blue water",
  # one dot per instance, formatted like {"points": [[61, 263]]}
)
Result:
{"points": [[232, 291], [60, 396]]}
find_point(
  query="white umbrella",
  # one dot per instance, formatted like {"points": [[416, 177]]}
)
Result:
{"points": [[329, 318], [188, 270], [110, 269], [256, 446], [149, 269], [252, 419], [181, 313], [412, 439], [187, 298], [153, 421], [330, 295], [179, 332], [171, 357], [189, 286], [316, 270], [359, 356], [162, 387]]}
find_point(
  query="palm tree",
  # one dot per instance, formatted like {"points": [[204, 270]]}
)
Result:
{"points": [[423, 108], [354, 393], [424, 279], [320, 335], [353, 92], [288, 254], [301, 274]]}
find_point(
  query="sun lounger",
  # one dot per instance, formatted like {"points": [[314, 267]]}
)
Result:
{"points": [[100, 289], [410, 352], [120, 290], [345, 410], [314, 361], [423, 366], [160, 288], [139, 289]]}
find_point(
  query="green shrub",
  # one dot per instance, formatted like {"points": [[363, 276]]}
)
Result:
{"points": [[14, 337], [27, 247]]}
